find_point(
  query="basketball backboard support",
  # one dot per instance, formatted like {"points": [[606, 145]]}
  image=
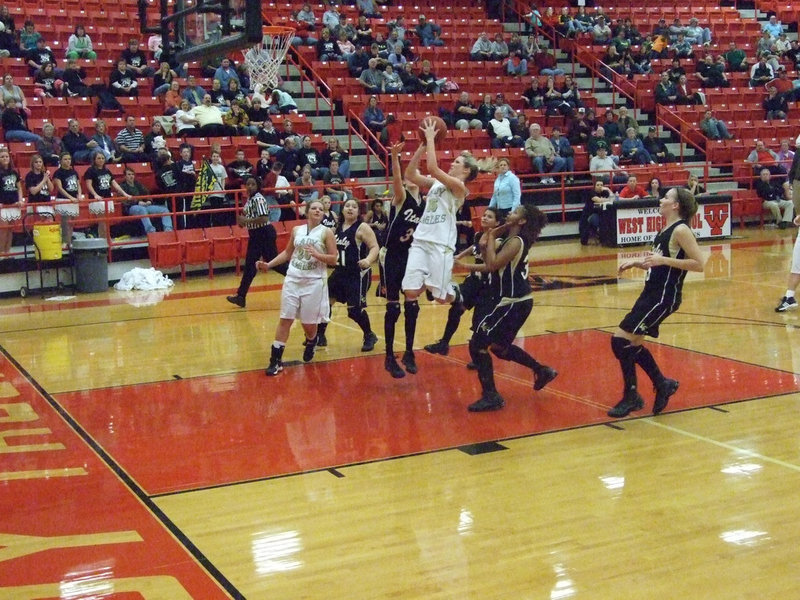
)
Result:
{"points": [[197, 29]]}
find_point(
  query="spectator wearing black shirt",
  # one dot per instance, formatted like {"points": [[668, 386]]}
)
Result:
{"points": [[38, 57], [136, 60], [288, 156], [47, 84], [656, 147], [100, 186], [334, 186], [141, 205], [73, 77], [39, 186], [122, 81], [334, 151], [308, 155], [327, 48], [11, 199], [238, 170], [268, 138], [15, 123]]}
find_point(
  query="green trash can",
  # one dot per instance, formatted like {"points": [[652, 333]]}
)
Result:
{"points": [[91, 265]]}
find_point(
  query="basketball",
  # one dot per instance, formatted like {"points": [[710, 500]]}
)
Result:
{"points": [[441, 128]]}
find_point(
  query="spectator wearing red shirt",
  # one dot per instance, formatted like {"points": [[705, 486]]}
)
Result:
{"points": [[632, 191]]}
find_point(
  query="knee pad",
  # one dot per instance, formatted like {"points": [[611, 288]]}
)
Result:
{"points": [[623, 349], [411, 309], [392, 311], [354, 313]]}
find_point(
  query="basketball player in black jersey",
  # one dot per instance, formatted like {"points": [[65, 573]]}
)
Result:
{"points": [[404, 215], [674, 253], [498, 329], [357, 249], [479, 290]]}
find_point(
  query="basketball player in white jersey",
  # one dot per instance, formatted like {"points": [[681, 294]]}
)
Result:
{"points": [[430, 258], [310, 250]]}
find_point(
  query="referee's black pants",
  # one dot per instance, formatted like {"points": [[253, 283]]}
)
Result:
{"points": [[260, 245]]}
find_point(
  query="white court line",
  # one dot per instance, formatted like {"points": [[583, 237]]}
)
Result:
{"points": [[702, 438]]}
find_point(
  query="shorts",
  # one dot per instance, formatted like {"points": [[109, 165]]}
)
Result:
{"points": [[305, 299], [429, 266], [101, 207], [392, 269], [10, 214], [472, 288], [349, 287], [647, 314], [503, 323], [66, 208], [796, 257]]}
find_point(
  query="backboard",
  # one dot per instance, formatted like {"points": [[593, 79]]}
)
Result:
{"points": [[197, 29]]}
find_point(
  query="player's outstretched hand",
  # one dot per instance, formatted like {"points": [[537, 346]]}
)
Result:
{"points": [[262, 265], [428, 127], [397, 148]]}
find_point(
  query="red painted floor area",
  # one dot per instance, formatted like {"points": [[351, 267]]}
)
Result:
{"points": [[207, 431], [71, 527]]}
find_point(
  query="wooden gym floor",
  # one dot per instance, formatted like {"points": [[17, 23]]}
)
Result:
{"points": [[144, 454]]}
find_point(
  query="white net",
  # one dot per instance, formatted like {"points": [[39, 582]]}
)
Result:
{"points": [[263, 60]]}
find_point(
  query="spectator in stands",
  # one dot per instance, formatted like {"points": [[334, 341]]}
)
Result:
{"points": [[238, 119], [613, 132], [482, 48], [49, 146], [501, 104], [793, 53], [162, 80], [364, 35], [520, 127], [564, 150], [327, 49], [368, 9], [334, 185], [665, 91], [466, 114], [39, 56], [500, 133], [782, 45], [411, 83], [429, 84], [141, 206], [533, 96], [605, 168], [172, 99], [8, 40], [238, 170], [761, 72], [632, 190], [711, 74], [486, 110], [307, 191], [785, 156], [392, 84], [675, 29], [79, 45], [773, 195], [101, 186], [193, 93], [308, 156], [334, 151], [371, 79], [331, 18], [598, 140], [762, 157], [185, 121], [290, 158], [358, 61], [268, 138], [73, 77], [681, 47], [77, 144], [136, 60], [29, 37], [225, 73], [693, 185], [545, 61], [656, 147], [122, 81], [68, 192], [579, 130], [130, 142], [516, 64], [10, 90], [209, 119], [500, 49], [373, 116], [620, 43], [661, 29], [686, 95], [601, 32], [697, 35], [103, 142], [346, 47], [11, 199], [655, 189], [773, 27], [735, 58], [15, 123], [47, 84], [305, 24], [714, 128], [543, 155], [589, 224], [397, 59], [154, 140], [626, 120], [775, 105], [280, 102], [257, 113], [428, 32]]}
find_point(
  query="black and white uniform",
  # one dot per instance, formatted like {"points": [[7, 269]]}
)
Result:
{"points": [[515, 303], [261, 243], [329, 220], [9, 194], [70, 184], [663, 288], [305, 295], [101, 182], [394, 255], [430, 258], [348, 283], [480, 291]]}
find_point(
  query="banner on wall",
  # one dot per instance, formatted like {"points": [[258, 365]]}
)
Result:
{"points": [[640, 225]]}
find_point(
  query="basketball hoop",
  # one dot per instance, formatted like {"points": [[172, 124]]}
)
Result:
{"points": [[263, 60]]}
